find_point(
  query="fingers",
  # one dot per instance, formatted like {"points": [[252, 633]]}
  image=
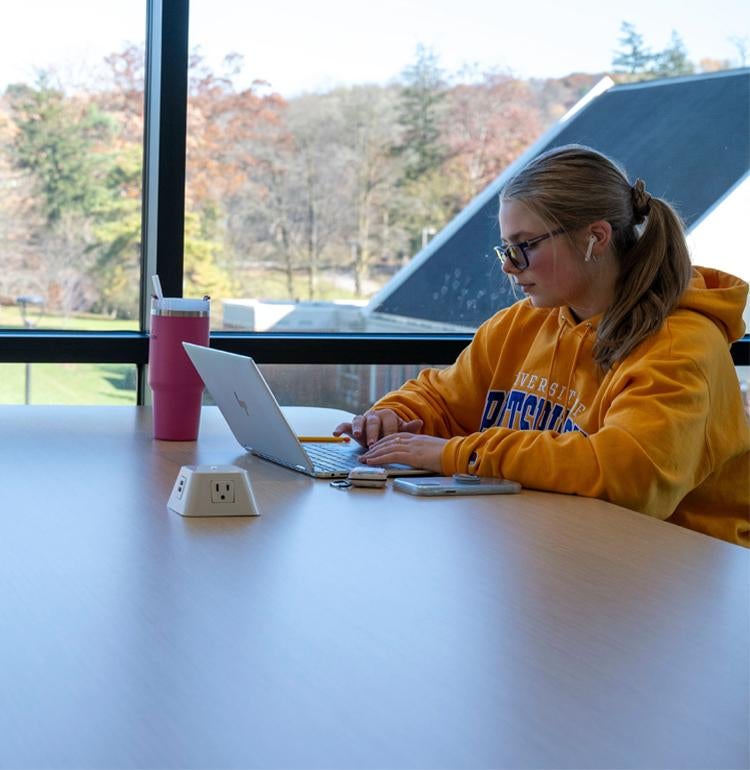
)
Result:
{"points": [[353, 428], [410, 448], [364, 428], [389, 423], [390, 449], [371, 426], [412, 426]]}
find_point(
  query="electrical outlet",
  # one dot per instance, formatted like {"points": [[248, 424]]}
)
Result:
{"points": [[222, 491], [212, 490]]}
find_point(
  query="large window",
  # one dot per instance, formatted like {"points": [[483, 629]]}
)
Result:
{"points": [[71, 150], [328, 150], [71, 157], [324, 154]]}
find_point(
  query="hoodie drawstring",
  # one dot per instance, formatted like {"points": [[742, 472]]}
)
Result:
{"points": [[577, 355], [553, 358], [571, 370]]}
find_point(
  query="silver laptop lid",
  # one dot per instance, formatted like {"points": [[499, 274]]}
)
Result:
{"points": [[257, 422], [248, 405]]}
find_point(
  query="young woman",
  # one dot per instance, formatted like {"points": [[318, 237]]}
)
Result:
{"points": [[611, 379]]}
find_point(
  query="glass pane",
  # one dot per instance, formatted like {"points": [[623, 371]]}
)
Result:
{"points": [[71, 145], [351, 387], [330, 149], [86, 384]]}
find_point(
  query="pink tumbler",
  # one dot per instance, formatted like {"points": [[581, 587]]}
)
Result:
{"points": [[176, 387]]}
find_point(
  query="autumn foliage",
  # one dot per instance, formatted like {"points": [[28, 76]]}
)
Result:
{"points": [[307, 197]]}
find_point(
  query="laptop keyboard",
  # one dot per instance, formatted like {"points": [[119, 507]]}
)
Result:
{"points": [[334, 457]]}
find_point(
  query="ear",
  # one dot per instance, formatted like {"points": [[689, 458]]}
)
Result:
{"points": [[602, 231]]}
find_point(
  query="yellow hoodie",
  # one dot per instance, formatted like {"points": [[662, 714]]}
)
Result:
{"points": [[663, 432]]}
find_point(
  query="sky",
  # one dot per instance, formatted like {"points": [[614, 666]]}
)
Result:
{"points": [[302, 46]]}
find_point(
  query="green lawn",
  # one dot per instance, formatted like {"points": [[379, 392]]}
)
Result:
{"points": [[10, 317], [68, 383]]}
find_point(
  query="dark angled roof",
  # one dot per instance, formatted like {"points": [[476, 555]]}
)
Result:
{"points": [[688, 138]]}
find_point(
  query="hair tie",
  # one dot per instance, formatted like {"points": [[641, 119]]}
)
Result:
{"points": [[641, 201]]}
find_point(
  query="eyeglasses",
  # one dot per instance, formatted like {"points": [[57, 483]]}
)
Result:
{"points": [[517, 253]]}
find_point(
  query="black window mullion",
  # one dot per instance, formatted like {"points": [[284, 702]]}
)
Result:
{"points": [[172, 146], [272, 348], [165, 141], [165, 128]]}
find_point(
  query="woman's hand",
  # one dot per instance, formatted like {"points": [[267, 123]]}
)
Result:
{"points": [[409, 448], [375, 424]]}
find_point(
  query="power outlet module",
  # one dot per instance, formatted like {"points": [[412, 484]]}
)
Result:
{"points": [[212, 490]]}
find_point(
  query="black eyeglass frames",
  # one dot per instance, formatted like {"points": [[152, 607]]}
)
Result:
{"points": [[517, 252]]}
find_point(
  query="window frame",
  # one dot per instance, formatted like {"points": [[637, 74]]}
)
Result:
{"points": [[162, 239]]}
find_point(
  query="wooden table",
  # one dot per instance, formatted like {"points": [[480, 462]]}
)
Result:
{"points": [[346, 628]]}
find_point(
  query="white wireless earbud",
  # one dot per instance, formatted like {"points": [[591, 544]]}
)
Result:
{"points": [[590, 249]]}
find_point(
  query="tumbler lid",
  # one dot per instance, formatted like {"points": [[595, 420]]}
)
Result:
{"points": [[180, 306]]}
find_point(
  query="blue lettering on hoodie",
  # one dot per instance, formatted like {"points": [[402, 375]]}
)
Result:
{"points": [[529, 404], [526, 411], [492, 408]]}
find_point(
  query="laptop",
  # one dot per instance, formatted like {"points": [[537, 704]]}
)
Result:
{"points": [[257, 422]]}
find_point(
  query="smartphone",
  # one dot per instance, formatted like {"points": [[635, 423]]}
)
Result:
{"points": [[460, 484]]}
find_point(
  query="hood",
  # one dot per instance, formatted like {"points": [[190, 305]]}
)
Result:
{"points": [[719, 296]]}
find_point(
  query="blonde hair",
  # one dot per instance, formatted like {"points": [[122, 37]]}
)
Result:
{"points": [[573, 186]]}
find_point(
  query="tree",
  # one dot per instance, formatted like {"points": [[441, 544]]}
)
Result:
{"points": [[488, 124], [369, 133], [68, 246], [673, 60], [223, 123], [421, 203], [635, 61], [18, 219], [318, 199], [118, 227], [86, 186], [117, 230], [707, 64], [633, 57], [120, 92], [422, 96], [260, 215], [742, 44], [56, 144], [202, 274]]}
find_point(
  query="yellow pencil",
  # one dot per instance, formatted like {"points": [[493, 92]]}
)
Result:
{"points": [[325, 439]]}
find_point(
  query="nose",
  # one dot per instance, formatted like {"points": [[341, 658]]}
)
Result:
{"points": [[509, 268]]}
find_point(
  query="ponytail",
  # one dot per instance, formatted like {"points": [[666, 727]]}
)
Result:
{"points": [[653, 274]]}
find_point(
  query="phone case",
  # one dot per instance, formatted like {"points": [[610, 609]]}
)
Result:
{"points": [[440, 486]]}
